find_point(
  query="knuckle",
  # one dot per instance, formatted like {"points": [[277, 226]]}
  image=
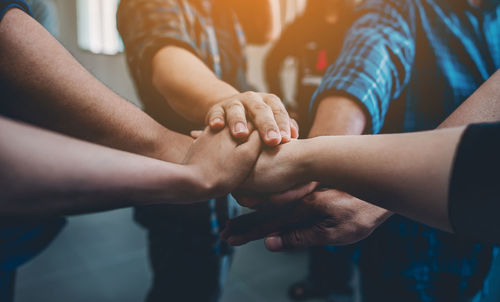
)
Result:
{"points": [[272, 98], [251, 95], [281, 114], [234, 105], [293, 239], [261, 106]]}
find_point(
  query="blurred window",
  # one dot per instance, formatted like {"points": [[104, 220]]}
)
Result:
{"points": [[97, 26]]}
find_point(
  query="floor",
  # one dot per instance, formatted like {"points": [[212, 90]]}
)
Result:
{"points": [[102, 257]]}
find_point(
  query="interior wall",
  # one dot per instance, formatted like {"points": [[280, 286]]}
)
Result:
{"points": [[111, 70]]}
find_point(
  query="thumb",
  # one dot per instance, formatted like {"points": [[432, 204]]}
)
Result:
{"points": [[251, 148], [293, 239], [196, 133]]}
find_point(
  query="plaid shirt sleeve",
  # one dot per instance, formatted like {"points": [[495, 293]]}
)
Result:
{"points": [[375, 63], [146, 26]]}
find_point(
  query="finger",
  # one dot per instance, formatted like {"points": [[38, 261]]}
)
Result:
{"points": [[216, 117], [294, 194], [248, 199], [293, 239], [262, 117], [294, 128], [257, 225], [280, 116], [250, 150], [236, 118], [253, 226], [196, 133]]}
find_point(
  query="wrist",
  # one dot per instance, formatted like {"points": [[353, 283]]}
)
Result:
{"points": [[195, 184], [305, 162]]}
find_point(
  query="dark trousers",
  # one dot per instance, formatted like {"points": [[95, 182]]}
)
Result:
{"points": [[185, 268], [7, 281], [188, 261], [331, 268]]}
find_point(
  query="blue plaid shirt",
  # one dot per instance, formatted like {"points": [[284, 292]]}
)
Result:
{"points": [[424, 56], [410, 63]]}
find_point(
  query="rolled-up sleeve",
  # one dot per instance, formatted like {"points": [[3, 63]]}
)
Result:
{"points": [[376, 59], [5, 5], [146, 26]]}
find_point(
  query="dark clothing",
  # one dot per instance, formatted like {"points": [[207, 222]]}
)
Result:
{"points": [[314, 44], [474, 198], [186, 254], [185, 265], [19, 241], [409, 64], [5, 5]]}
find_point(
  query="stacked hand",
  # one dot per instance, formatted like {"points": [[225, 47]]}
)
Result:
{"points": [[292, 210], [222, 157]]}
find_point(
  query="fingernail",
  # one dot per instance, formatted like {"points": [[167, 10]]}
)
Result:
{"points": [[240, 127], [273, 134], [274, 243], [217, 120], [285, 135]]}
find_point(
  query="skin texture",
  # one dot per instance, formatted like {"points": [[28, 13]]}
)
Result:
{"points": [[335, 116], [195, 92], [49, 88], [375, 180], [199, 96], [69, 176]]}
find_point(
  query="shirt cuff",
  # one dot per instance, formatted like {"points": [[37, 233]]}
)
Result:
{"points": [[357, 91]]}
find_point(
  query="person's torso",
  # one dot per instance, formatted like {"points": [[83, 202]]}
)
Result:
{"points": [[219, 42], [457, 49]]}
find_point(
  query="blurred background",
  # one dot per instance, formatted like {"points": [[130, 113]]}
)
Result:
{"points": [[102, 257]]}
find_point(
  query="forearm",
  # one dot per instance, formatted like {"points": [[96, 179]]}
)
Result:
{"points": [[405, 173], [46, 174], [187, 84], [52, 90], [338, 115], [483, 106]]}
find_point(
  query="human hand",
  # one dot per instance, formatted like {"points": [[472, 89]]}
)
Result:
{"points": [[325, 217], [218, 163], [278, 169], [265, 111]]}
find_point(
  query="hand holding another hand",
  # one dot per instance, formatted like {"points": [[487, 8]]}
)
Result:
{"points": [[219, 163], [324, 217]]}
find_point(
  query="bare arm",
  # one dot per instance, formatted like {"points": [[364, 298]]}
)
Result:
{"points": [[47, 174], [194, 92], [407, 173], [53, 90]]}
